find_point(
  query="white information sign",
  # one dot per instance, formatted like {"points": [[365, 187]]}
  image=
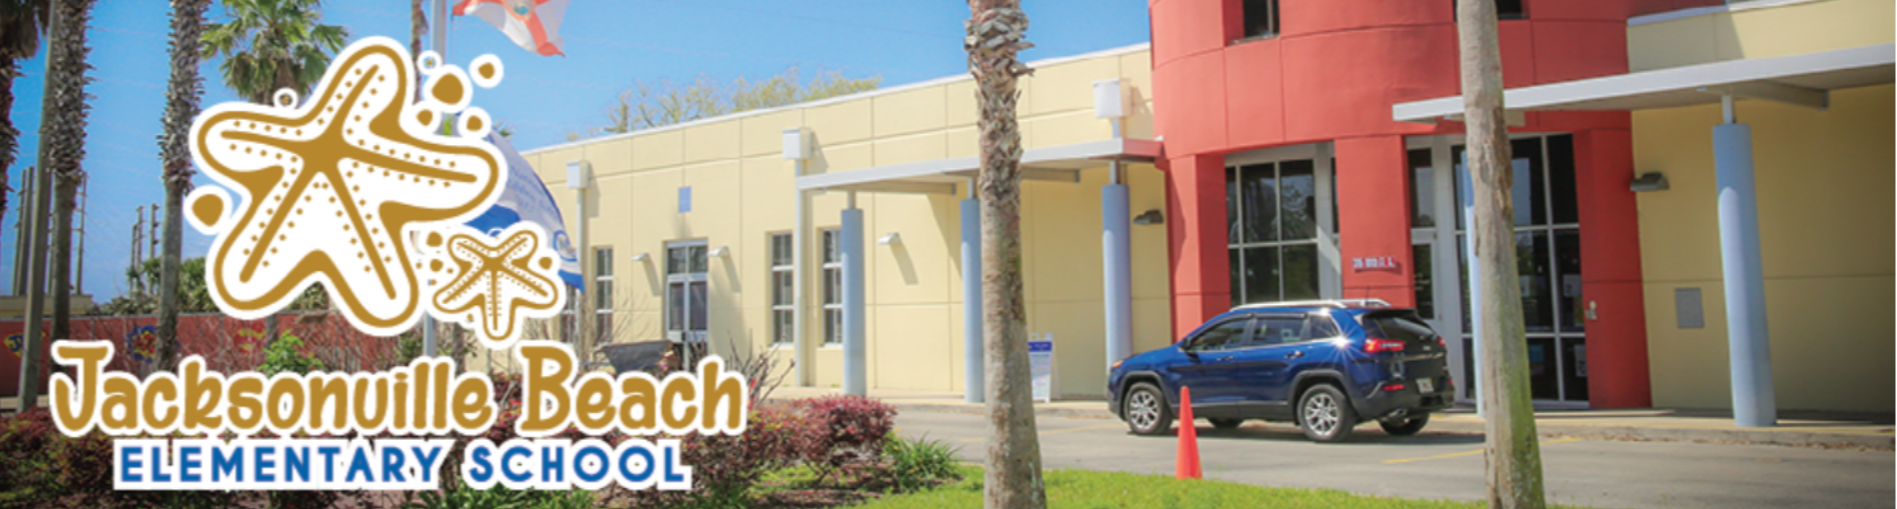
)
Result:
{"points": [[1041, 362]]}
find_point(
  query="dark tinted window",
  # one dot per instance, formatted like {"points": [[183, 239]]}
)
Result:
{"points": [[1320, 326], [1221, 336], [1398, 325], [1278, 330], [1261, 18], [1504, 10]]}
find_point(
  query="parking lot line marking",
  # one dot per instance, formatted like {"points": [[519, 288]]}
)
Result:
{"points": [[1052, 432], [1468, 453]]}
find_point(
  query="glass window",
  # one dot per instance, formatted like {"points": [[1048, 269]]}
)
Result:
{"points": [[1422, 190], [1232, 205], [1220, 336], [1261, 274], [1504, 10], [1279, 330], [1297, 183], [1321, 326], [1561, 180], [1567, 266], [1421, 256], [782, 288], [1261, 18], [1300, 271], [1259, 187], [1527, 190], [1531, 263], [1400, 325], [832, 287]]}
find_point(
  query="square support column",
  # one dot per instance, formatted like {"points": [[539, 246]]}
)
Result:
{"points": [[1373, 207], [850, 245], [1196, 232]]}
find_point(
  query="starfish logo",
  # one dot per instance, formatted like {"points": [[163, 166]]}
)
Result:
{"points": [[336, 189], [495, 280]]}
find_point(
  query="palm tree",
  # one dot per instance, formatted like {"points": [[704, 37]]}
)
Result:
{"points": [[270, 45], [21, 22], [63, 142], [181, 106], [1514, 453], [996, 35]]}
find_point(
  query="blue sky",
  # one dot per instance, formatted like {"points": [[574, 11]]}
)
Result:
{"points": [[610, 45]]}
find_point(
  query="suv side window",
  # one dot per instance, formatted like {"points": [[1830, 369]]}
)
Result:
{"points": [[1227, 334], [1279, 330], [1321, 326]]}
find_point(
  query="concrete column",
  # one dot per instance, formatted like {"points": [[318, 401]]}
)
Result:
{"points": [[972, 353], [1116, 251], [855, 379], [1754, 403], [1373, 207]]}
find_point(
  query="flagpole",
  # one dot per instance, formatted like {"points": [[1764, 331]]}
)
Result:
{"points": [[439, 42]]}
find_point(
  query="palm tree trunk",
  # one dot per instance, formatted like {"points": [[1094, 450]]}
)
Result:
{"points": [[66, 71], [996, 34], [1514, 455], [181, 106]]}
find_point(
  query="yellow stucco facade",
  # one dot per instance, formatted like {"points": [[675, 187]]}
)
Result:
{"points": [[743, 190], [1824, 181]]}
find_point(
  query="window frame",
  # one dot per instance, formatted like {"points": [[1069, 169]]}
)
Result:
{"points": [[830, 258], [1274, 22], [1192, 344], [788, 303], [1236, 171], [603, 288]]}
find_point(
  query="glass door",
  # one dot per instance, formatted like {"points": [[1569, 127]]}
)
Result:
{"points": [[1548, 254], [685, 296]]}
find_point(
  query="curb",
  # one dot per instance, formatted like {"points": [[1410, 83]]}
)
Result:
{"points": [[1596, 432]]}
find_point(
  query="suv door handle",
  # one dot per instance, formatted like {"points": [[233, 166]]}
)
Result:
{"points": [[1294, 355], [1225, 358]]}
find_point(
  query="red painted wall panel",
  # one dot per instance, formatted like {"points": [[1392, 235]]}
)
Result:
{"points": [[1196, 227], [1307, 17], [1342, 84], [1373, 207], [1187, 27], [1610, 270], [1193, 84], [1255, 95], [1573, 50]]}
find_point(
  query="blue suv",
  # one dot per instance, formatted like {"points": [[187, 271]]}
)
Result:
{"points": [[1322, 365]]}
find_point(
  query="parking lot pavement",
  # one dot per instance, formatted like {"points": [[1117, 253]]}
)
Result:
{"points": [[1582, 472]]}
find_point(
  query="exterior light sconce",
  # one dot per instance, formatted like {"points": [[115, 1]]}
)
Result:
{"points": [[1149, 217], [1652, 181], [892, 239], [641, 258], [719, 252]]}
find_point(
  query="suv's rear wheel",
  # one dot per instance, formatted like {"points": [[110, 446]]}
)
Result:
{"points": [[1146, 411], [1226, 423], [1405, 427], [1325, 414]]}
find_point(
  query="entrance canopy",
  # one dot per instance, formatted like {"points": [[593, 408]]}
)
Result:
{"points": [[939, 176], [1804, 80]]}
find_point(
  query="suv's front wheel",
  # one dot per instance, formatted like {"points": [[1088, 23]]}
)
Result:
{"points": [[1324, 413], [1146, 411]]}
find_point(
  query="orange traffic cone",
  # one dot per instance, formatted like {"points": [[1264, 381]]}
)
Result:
{"points": [[1188, 467]]}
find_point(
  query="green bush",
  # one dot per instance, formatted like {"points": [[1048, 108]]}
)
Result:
{"points": [[499, 497], [286, 356], [918, 464]]}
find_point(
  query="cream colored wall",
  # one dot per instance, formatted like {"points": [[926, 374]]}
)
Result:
{"points": [[742, 190], [1781, 30], [1824, 182]]}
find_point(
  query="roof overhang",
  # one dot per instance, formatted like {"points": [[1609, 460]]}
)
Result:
{"points": [[1804, 80], [940, 176]]}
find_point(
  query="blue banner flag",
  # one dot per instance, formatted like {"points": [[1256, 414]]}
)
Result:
{"points": [[526, 199]]}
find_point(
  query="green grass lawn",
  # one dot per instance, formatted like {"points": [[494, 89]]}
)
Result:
{"points": [[1084, 489]]}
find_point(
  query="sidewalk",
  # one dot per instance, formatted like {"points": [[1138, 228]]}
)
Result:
{"points": [[1829, 431]]}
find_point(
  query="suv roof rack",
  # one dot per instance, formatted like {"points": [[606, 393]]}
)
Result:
{"points": [[1333, 303]]}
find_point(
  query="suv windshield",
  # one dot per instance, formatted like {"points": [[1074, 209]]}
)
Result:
{"points": [[1400, 325]]}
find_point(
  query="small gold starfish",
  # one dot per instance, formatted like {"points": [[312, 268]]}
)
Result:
{"points": [[504, 283]]}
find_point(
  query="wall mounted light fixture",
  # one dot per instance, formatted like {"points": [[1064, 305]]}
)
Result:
{"points": [[1651, 181], [892, 239], [719, 252], [1149, 217], [641, 257]]}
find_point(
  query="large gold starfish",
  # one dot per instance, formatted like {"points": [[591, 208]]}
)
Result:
{"points": [[328, 190], [497, 281]]}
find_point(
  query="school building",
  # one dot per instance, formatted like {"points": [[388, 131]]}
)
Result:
{"points": [[1264, 150]]}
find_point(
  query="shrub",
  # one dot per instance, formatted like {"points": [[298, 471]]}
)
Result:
{"points": [[25, 439], [286, 356], [847, 430], [917, 464]]}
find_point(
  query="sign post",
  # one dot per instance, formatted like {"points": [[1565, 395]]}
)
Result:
{"points": [[1041, 362]]}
